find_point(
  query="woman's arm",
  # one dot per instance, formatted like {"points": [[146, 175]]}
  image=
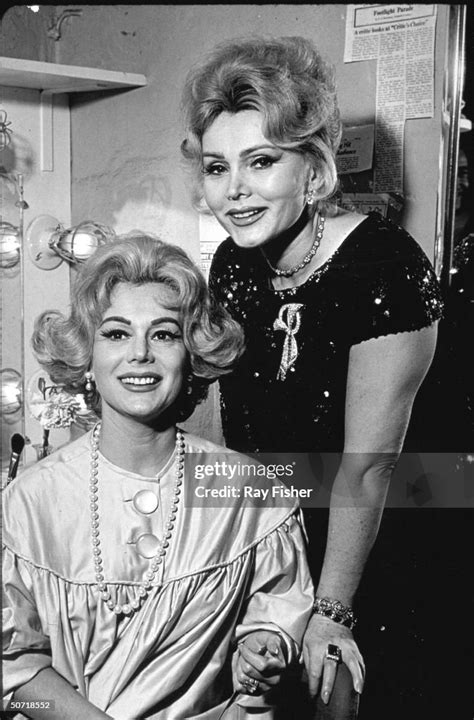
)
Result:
{"points": [[383, 378], [66, 703], [31, 686], [279, 597], [275, 613]]}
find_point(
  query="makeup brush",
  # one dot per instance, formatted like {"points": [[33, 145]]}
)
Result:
{"points": [[17, 445]]}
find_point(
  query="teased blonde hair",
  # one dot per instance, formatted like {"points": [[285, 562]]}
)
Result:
{"points": [[287, 80], [63, 344]]}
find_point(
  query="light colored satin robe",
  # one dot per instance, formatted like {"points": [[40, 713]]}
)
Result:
{"points": [[229, 570]]}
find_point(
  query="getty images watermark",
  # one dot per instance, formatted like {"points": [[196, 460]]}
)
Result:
{"points": [[245, 479], [431, 480]]}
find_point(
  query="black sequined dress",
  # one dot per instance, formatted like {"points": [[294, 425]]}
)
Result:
{"points": [[378, 282], [287, 393]]}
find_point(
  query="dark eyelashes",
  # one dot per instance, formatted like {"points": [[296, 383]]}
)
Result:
{"points": [[210, 169], [262, 160], [173, 336], [114, 334]]}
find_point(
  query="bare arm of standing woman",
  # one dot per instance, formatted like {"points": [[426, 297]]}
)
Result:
{"points": [[383, 378]]}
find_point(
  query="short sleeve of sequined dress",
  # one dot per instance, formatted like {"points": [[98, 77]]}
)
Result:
{"points": [[396, 289], [380, 278], [378, 282]]}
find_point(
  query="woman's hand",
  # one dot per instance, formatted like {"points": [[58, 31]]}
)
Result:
{"points": [[321, 632], [258, 662]]}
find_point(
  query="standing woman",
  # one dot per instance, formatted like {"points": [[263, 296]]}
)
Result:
{"points": [[339, 309]]}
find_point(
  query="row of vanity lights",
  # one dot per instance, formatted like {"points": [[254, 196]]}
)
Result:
{"points": [[48, 243]]}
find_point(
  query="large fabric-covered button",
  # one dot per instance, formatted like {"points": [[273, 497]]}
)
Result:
{"points": [[145, 501], [148, 545]]}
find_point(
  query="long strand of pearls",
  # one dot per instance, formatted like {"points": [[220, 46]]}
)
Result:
{"points": [[145, 586]]}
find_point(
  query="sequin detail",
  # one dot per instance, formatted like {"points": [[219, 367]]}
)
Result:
{"points": [[379, 282]]}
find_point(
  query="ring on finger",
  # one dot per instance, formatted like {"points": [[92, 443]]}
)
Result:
{"points": [[250, 684], [333, 652]]}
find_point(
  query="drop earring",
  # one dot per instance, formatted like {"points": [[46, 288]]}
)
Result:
{"points": [[88, 385], [310, 197], [189, 388]]}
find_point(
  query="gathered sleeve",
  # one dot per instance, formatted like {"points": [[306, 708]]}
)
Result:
{"points": [[280, 598], [26, 649], [281, 593]]}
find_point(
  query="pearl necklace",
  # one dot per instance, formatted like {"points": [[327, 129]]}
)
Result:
{"points": [[307, 258], [145, 586]]}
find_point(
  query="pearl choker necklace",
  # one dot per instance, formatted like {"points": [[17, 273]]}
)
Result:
{"points": [[145, 586], [307, 258]]}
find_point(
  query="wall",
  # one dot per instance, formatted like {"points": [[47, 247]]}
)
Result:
{"points": [[45, 193], [24, 33], [126, 165], [125, 147]]}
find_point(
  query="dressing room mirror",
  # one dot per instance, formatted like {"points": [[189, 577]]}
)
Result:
{"points": [[455, 149]]}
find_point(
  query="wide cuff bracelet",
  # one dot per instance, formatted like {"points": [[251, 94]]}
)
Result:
{"points": [[335, 610]]}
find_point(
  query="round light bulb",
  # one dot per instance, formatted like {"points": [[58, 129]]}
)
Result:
{"points": [[80, 245], [11, 391], [9, 245]]}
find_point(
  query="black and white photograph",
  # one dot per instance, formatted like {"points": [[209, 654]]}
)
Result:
{"points": [[237, 366]]}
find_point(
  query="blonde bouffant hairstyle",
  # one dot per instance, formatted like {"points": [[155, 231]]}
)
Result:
{"points": [[289, 82], [63, 344]]}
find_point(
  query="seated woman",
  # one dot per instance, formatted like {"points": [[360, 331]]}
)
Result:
{"points": [[124, 598]]}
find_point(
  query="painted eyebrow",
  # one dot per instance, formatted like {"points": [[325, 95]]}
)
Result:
{"points": [[157, 321], [248, 151]]}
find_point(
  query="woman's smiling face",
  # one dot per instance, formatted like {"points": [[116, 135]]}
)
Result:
{"points": [[255, 189], [139, 358]]}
